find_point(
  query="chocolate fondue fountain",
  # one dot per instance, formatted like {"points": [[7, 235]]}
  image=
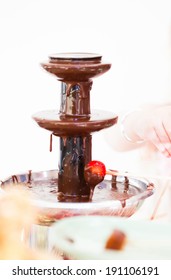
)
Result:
{"points": [[64, 192], [75, 122]]}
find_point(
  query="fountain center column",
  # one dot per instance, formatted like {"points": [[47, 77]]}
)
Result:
{"points": [[75, 151], [75, 99]]}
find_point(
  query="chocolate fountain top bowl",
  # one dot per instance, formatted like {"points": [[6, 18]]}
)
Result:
{"points": [[76, 66]]}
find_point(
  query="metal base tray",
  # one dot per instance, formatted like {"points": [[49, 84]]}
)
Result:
{"points": [[110, 198]]}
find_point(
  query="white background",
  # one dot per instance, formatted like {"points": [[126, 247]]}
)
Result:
{"points": [[134, 35]]}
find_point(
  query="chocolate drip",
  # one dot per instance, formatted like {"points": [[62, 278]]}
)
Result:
{"points": [[123, 203], [125, 191], [14, 179], [126, 184], [29, 176], [114, 182], [50, 146]]}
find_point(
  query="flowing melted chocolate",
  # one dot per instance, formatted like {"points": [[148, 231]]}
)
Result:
{"points": [[47, 189], [74, 153]]}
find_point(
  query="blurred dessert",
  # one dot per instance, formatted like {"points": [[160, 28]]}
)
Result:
{"points": [[17, 216], [116, 240]]}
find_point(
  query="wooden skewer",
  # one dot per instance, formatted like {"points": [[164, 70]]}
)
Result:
{"points": [[135, 175]]}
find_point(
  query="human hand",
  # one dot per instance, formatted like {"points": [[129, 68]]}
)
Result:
{"points": [[154, 125]]}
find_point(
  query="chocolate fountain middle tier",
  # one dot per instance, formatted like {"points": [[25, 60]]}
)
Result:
{"points": [[75, 148]]}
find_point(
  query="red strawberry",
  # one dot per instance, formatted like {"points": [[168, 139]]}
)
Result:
{"points": [[94, 172]]}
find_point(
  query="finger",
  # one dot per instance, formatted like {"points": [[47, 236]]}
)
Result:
{"points": [[162, 132], [164, 138], [155, 139], [164, 148], [167, 132], [167, 148]]}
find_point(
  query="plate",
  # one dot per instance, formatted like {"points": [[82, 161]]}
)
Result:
{"points": [[84, 238]]}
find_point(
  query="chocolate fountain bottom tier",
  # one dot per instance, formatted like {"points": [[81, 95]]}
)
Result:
{"points": [[63, 125], [112, 197]]}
